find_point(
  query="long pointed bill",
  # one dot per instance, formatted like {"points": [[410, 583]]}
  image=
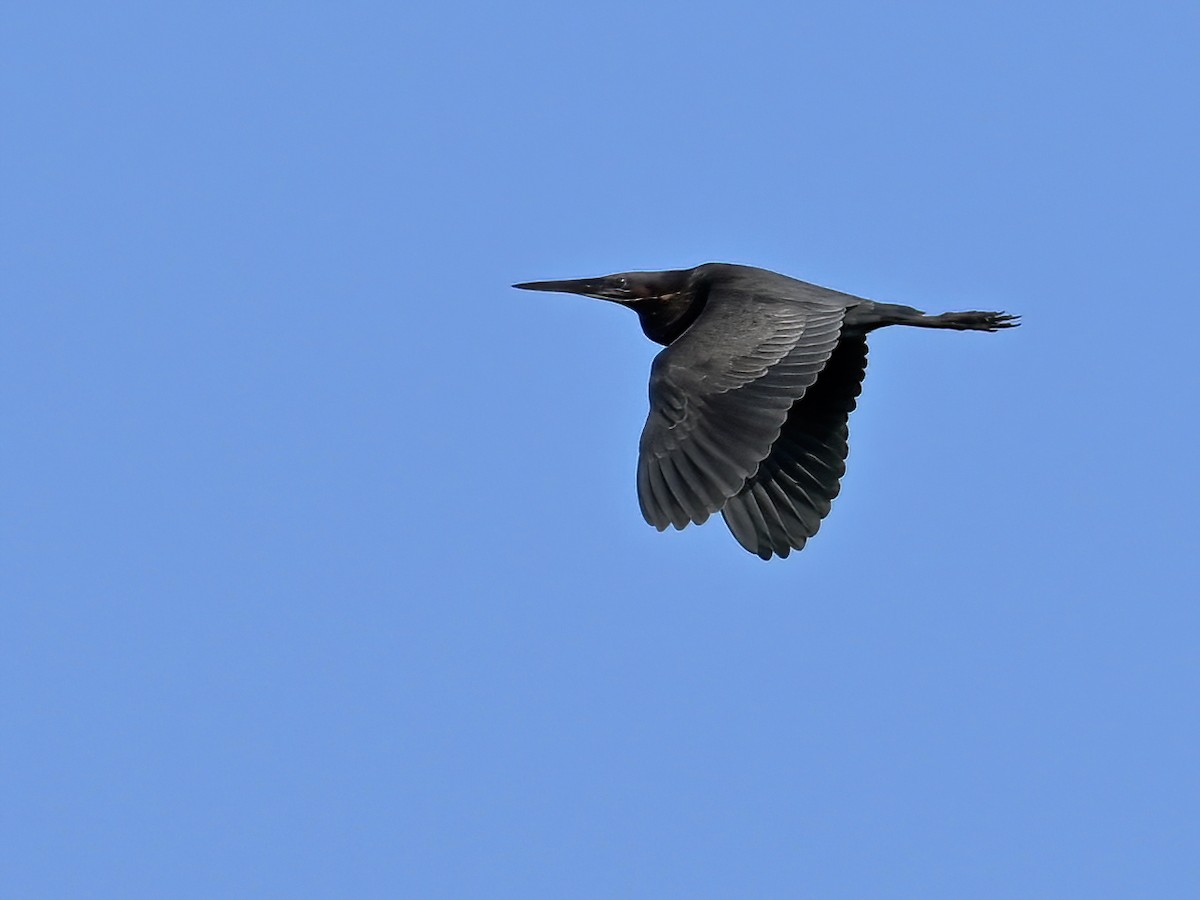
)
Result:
{"points": [[586, 286]]}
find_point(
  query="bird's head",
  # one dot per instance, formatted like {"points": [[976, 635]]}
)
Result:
{"points": [[666, 302]]}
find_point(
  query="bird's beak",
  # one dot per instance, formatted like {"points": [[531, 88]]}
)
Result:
{"points": [[584, 286], [599, 288]]}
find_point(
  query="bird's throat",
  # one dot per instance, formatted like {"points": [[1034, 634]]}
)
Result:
{"points": [[665, 317]]}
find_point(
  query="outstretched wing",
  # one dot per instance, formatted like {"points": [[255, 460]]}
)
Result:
{"points": [[719, 396], [783, 504]]}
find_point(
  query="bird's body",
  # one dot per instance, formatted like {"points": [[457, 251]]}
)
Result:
{"points": [[750, 400]]}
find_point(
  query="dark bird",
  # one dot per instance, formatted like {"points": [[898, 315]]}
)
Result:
{"points": [[749, 402]]}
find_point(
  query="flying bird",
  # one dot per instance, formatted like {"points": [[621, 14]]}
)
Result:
{"points": [[750, 400]]}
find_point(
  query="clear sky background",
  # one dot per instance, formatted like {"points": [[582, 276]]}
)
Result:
{"points": [[323, 572]]}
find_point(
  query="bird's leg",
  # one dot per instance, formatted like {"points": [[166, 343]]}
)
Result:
{"points": [[868, 315], [973, 320]]}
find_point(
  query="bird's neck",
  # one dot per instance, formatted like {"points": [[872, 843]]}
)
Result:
{"points": [[666, 317]]}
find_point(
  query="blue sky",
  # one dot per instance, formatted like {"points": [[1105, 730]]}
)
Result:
{"points": [[323, 572]]}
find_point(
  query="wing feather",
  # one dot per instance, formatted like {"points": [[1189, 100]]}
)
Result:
{"points": [[802, 474], [719, 399]]}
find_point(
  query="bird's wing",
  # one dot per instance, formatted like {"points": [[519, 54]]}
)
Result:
{"points": [[783, 504], [719, 396]]}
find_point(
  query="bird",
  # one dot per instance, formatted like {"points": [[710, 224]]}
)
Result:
{"points": [[750, 399]]}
